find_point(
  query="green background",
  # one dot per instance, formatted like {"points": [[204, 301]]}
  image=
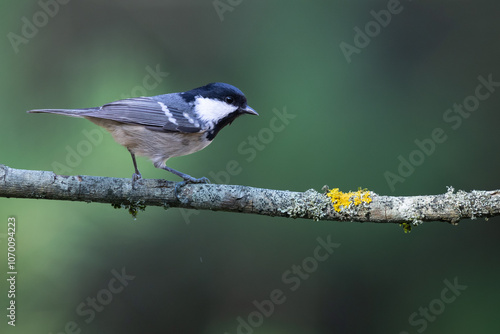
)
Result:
{"points": [[197, 272]]}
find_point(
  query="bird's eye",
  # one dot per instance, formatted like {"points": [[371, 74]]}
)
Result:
{"points": [[229, 100]]}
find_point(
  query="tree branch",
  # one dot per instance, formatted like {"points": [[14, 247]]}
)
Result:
{"points": [[409, 210]]}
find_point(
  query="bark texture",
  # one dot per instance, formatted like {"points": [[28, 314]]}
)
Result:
{"points": [[408, 210]]}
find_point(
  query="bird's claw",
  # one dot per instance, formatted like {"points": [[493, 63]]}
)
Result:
{"points": [[136, 177], [181, 184], [200, 180]]}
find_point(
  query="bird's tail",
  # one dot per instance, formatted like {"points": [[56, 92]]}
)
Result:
{"points": [[66, 112]]}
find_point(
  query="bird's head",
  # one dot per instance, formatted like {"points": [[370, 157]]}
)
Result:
{"points": [[218, 102]]}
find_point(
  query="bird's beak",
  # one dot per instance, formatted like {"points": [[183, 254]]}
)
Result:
{"points": [[248, 110]]}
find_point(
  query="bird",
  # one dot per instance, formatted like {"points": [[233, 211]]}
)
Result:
{"points": [[169, 125]]}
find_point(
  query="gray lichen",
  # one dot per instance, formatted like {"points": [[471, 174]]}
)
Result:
{"points": [[309, 204], [476, 203]]}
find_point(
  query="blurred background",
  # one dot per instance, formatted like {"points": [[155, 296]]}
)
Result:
{"points": [[362, 82]]}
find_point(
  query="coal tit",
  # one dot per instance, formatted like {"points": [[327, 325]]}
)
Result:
{"points": [[170, 125]]}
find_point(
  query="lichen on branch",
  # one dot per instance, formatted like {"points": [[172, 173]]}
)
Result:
{"points": [[334, 205]]}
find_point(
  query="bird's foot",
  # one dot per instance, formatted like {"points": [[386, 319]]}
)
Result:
{"points": [[135, 177], [187, 180]]}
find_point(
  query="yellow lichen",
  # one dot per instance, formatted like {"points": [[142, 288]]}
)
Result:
{"points": [[342, 200]]}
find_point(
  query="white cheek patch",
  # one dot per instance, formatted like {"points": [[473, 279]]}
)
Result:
{"points": [[167, 113], [211, 111]]}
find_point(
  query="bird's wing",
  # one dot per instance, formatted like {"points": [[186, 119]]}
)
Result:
{"points": [[150, 112]]}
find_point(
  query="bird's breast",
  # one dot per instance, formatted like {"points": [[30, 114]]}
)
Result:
{"points": [[155, 145]]}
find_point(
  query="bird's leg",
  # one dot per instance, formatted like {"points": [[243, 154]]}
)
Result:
{"points": [[137, 175], [186, 177]]}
